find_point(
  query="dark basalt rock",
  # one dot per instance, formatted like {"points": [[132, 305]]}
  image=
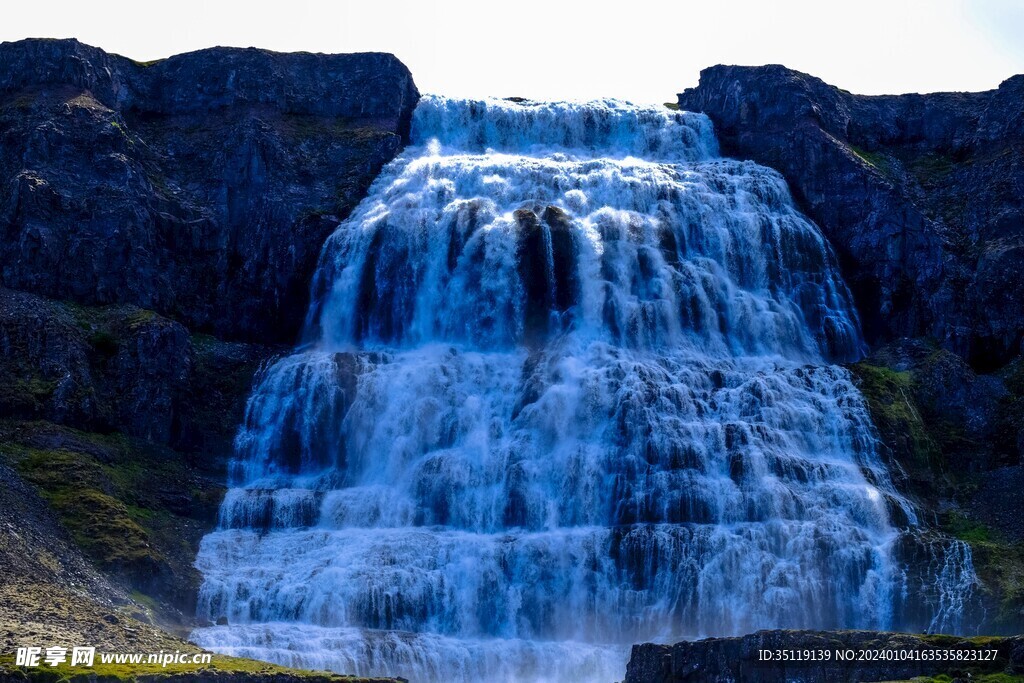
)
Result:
{"points": [[123, 369], [732, 660], [922, 195], [200, 186], [126, 369], [547, 266]]}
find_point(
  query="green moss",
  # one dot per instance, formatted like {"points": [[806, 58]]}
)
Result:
{"points": [[999, 564], [22, 102], [960, 526], [79, 490], [202, 341], [106, 326], [25, 394], [104, 343], [150, 604], [222, 377], [139, 317], [120, 128], [103, 528], [134, 508], [220, 665], [889, 395], [313, 213], [1001, 567], [929, 169], [876, 160], [929, 452]]}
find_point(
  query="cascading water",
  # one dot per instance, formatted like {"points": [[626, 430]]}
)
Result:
{"points": [[566, 387]]}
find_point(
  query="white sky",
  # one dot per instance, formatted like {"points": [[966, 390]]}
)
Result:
{"points": [[640, 50]]}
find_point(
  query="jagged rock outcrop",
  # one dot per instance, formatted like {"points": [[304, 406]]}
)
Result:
{"points": [[954, 437], [200, 186], [121, 369], [922, 195], [733, 660]]}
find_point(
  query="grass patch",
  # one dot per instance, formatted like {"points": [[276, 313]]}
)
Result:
{"points": [[120, 128], [1001, 567], [999, 564], [79, 490], [22, 102], [220, 665], [135, 509], [203, 342], [959, 526], [139, 317], [889, 395], [876, 160], [144, 600], [21, 395], [108, 321], [931, 168]]}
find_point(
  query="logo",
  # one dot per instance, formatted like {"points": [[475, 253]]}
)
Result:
{"points": [[52, 656]]}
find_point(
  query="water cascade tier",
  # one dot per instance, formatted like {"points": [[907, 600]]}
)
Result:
{"points": [[569, 382]]}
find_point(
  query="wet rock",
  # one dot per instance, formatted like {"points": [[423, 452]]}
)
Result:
{"points": [[547, 262]]}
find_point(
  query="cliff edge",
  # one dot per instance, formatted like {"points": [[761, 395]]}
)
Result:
{"points": [[922, 195], [201, 186]]}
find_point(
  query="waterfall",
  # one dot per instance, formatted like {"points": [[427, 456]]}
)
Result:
{"points": [[569, 382]]}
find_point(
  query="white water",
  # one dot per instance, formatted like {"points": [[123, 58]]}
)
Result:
{"points": [[568, 386]]}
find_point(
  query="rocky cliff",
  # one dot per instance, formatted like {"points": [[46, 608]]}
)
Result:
{"points": [[923, 198], [922, 195], [159, 225], [199, 186]]}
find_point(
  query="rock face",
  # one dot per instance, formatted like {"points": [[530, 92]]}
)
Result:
{"points": [[123, 421], [49, 586], [922, 195], [200, 186], [157, 220], [732, 660], [121, 369], [923, 198]]}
